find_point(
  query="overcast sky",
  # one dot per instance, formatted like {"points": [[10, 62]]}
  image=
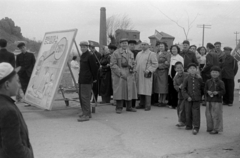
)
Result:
{"points": [[35, 17]]}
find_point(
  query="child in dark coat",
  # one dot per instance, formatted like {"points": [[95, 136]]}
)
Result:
{"points": [[214, 91], [177, 82], [192, 91]]}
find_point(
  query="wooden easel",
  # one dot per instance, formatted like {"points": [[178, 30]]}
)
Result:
{"points": [[93, 106]]}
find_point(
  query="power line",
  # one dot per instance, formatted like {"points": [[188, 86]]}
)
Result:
{"points": [[236, 36], [203, 26]]}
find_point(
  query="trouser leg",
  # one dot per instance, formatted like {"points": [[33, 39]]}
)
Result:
{"points": [[119, 105], [134, 103], [188, 110], [142, 101], [208, 114], [181, 111], [95, 90], [147, 102], [225, 96], [85, 97], [24, 83], [217, 116], [231, 87], [128, 104], [196, 115]]}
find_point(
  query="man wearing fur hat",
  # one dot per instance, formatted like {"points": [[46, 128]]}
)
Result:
{"points": [[14, 137]]}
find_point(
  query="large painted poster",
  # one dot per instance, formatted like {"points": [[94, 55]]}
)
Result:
{"points": [[47, 72]]}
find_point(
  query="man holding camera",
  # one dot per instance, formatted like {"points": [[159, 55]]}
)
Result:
{"points": [[123, 77], [147, 63]]}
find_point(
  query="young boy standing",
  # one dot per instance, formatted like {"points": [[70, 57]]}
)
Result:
{"points": [[192, 91], [177, 82], [214, 91]]}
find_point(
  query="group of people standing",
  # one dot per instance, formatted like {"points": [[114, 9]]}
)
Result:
{"points": [[181, 79]]}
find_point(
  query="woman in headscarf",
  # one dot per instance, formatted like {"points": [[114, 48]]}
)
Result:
{"points": [[173, 94], [160, 76]]}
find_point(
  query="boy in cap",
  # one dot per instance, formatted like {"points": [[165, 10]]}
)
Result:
{"points": [[6, 56], [229, 71], [177, 82], [87, 76], [214, 90], [25, 63], [192, 90], [14, 137]]}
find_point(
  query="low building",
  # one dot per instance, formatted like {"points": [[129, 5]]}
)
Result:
{"points": [[162, 37]]}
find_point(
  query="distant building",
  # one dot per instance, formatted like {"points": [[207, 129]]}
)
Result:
{"points": [[162, 37], [129, 34]]}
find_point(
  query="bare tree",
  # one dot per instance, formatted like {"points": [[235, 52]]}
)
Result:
{"points": [[189, 23], [115, 22]]}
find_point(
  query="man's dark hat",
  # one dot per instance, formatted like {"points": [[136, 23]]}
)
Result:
{"points": [[132, 41], [186, 42], [210, 46], [227, 48], [111, 46], [215, 68], [217, 43], [192, 64]]}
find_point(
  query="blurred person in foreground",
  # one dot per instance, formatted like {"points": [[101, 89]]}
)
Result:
{"points": [[14, 137]]}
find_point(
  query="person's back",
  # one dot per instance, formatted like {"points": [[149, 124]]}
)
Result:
{"points": [[6, 56], [14, 137]]}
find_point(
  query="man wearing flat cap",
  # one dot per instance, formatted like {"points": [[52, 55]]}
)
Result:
{"points": [[220, 53], [123, 77], [87, 76], [188, 56], [14, 137], [6, 56], [229, 71], [25, 63], [97, 57]]}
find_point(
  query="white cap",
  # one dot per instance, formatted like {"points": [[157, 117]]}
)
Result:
{"points": [[145, 42], [5, 70]]}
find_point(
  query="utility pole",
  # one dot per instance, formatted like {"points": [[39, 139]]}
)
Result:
{"points": [[236, 37], [203, 26]]}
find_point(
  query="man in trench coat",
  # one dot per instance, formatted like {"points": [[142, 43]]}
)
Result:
{"points": [[123, 77], [146, 62]]}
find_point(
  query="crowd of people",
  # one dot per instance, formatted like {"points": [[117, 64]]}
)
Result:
{"points": [[179, 79], [182, 79]]}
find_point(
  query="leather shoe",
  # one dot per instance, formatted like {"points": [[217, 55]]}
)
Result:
{"points": [[139, 107], [118, 111], [194, 131], [214, 132], [148, 108], [131, 110], [83, 118]]}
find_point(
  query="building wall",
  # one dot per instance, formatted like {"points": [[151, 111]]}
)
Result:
{"points": [[126, 34]]}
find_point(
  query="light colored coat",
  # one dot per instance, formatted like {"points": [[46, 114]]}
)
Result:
{"points": [[124, 83], [144, 85]]}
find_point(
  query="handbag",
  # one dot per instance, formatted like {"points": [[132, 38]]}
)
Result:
{"points": [[149, 74]]}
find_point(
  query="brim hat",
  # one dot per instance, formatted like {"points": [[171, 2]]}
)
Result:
{"points": [[215, 68], [192, 64], [132, 41], [84, 43], [227, 48]]}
